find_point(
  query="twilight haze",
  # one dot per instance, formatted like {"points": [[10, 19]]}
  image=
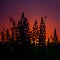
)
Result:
{"points": [[33, 9]]}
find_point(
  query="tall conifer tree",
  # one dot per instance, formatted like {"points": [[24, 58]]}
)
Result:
{"points": [[23, 27], [35, 33], [42, 33]]}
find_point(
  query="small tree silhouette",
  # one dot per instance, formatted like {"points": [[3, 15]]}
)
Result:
{"points": [[48, 41], [13, 30], [2, 34], [55, 38], [7, 35]]}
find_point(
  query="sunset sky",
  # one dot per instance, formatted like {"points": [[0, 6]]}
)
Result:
{"points": [[33, 9]]}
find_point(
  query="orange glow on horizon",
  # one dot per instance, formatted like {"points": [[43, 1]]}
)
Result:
{"points": [[50, 25]]}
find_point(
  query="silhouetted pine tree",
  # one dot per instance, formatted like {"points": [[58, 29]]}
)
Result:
{"points": [[7, 35], [12, 29], [55, 38], [35, 33], [42, 33], [13, 35], [2, 34], [48, 43], [23, 27]]}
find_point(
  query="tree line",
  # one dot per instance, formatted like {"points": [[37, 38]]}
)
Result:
{"points": [[22, 35]]}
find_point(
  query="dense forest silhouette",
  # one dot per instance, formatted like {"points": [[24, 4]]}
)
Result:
{"points": [[22, 43]]}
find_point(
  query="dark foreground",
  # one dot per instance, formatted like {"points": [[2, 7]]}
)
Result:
{"points": [[29, 52]]}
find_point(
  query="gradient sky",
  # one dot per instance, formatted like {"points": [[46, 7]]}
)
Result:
{"points": [[33, 9]]}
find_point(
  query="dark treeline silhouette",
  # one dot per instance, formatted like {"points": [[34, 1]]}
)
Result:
{"points": [[22, 43]]}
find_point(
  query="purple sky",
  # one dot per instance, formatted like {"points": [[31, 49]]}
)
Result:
{"points": [[33, 9]]}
